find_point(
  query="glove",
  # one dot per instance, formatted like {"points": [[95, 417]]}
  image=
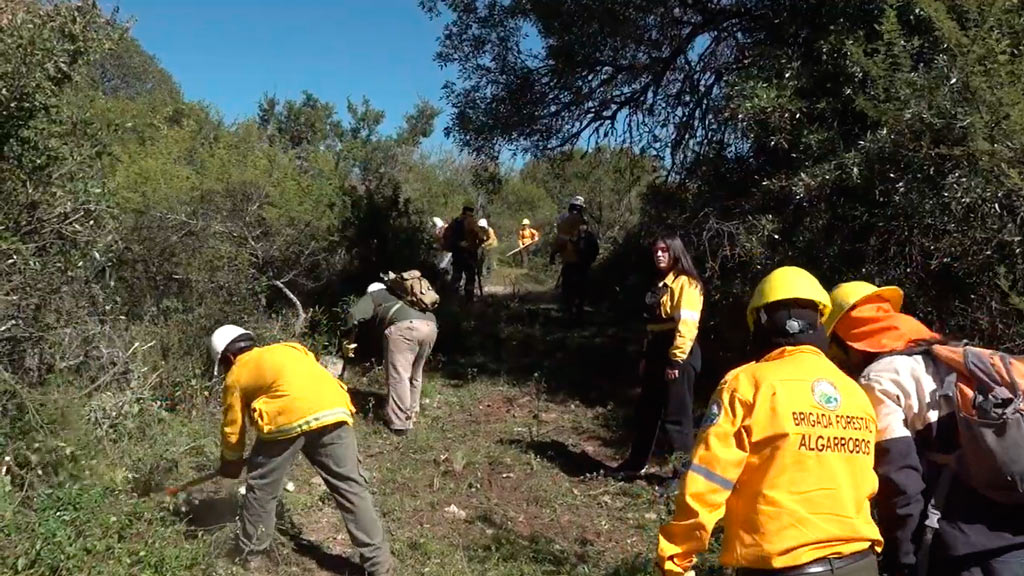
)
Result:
{"points": [[231, 468], [348, 349]]}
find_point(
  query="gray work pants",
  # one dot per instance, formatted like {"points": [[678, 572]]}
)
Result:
{"points": [[333, 453], [407, 345]]}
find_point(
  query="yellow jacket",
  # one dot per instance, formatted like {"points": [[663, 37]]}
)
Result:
{"points": [[568, 231], [675, 305], [284, 391], [492, 239], [786, 455]]}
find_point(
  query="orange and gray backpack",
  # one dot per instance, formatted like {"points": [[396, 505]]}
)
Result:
{"points": [[985, 390]]}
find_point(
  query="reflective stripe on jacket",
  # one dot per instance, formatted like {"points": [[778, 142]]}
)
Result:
{"points": [[675, 304], [284, 391], [785, 455], [528, 236]]}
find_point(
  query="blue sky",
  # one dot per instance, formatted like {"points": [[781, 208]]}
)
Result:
{"points": [[229, 52]]}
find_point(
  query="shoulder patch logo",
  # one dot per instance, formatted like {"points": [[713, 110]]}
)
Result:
{"points": [[713, 414], [826, 395]]}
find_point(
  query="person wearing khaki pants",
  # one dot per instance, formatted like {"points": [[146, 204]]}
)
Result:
{"points": [[409, 336], [407, 344]]}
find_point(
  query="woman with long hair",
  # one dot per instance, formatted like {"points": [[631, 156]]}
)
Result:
{"points": [[671, 359]]}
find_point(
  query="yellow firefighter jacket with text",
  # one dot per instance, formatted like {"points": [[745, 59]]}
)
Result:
{"points": [[785, 455]]}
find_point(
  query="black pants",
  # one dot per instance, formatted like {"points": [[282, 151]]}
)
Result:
{"points": [[574, 286], [465, 264], [664, 407], [1008, 563]]}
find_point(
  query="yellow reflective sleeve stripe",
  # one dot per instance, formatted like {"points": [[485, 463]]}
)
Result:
{"points": [[309, 423], [228, 454], [713, 477]]}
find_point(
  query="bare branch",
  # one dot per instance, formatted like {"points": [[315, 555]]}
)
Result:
{"points": [[300, 322]]}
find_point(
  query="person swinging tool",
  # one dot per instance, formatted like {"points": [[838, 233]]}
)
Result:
{"points": [[528, 237], [785, 453], [295, 405]]}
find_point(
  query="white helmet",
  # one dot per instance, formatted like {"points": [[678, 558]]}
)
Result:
{"points": [[375, 287], [221, 338], [437, 222], [482, 222], [577, 201]]}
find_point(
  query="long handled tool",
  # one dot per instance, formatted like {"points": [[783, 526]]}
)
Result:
{"points": [[174, 490], [520, 248]]}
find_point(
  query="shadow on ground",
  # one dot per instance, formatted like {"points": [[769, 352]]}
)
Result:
{"points": [[538, 550], [572, 463], [326, 560], [372, 404], [527, 339], [207, 512]]}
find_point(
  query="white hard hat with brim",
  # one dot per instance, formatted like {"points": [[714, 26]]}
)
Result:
{"points": [[220, 339]]}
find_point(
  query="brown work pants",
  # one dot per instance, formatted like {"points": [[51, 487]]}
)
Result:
{"points": [[334, 455], [407, 345], [524, 256]]}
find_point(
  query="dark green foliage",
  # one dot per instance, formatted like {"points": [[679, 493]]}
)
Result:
{"points": [[384, 232], [866, 140], [128, 71]]}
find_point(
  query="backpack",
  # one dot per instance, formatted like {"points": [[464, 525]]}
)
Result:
{"points": [[451, 236], [413, 289], [587, 247], [985, 390]]}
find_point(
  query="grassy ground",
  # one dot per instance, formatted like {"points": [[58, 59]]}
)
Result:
{"points": [[520, 410]]}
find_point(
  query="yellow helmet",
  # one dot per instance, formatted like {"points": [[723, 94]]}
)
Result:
{"points": [[526, 222], [787, 283], [846, 295]]}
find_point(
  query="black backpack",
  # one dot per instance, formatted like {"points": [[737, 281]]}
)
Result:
{"points": [[587, 246]]}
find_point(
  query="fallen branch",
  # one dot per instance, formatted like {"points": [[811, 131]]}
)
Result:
{"points": [[300, 322]]}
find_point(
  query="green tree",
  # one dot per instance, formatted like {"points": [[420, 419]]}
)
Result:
{"points": [[128, 71], [610, 180]]}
